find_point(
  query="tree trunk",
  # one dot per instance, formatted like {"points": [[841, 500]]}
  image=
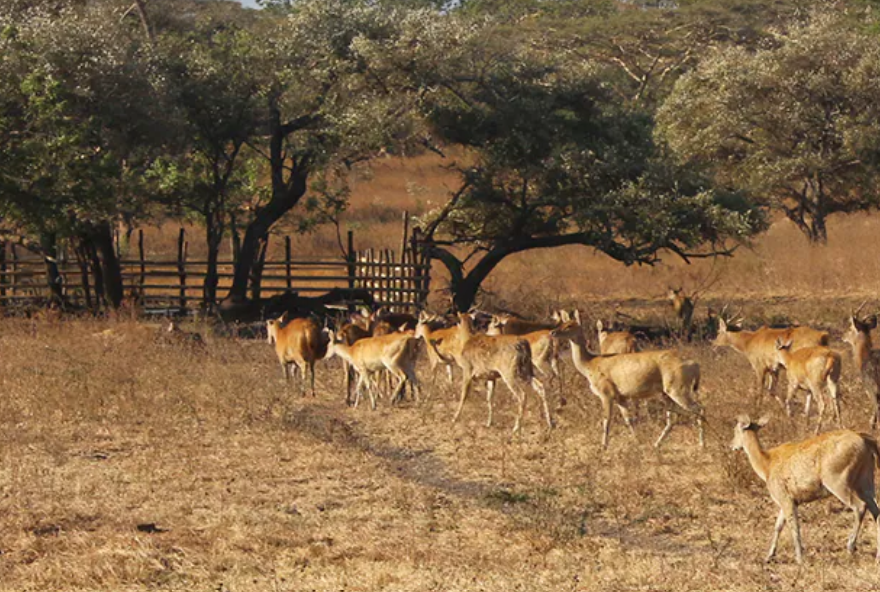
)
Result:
{"points": [[257, 271], [49, 242], [214, 238], [289, 184], [108, 273], [466, 287]]}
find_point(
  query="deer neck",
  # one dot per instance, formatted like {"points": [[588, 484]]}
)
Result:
{"points": [[579, 353], [342, 350], [758, 457], [740, 340], [862, 349]]}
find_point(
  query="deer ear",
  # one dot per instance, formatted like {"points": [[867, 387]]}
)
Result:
{"points": [[743, 420], [764, 420], [283, 316], [599, 325]]}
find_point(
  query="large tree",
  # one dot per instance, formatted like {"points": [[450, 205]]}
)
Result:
{"points": [[796, 124], [77, 114], [323, 107], [556, 160]]}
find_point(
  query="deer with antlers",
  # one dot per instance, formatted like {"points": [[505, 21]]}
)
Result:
{"points": [[867, 359], [759, 346]]}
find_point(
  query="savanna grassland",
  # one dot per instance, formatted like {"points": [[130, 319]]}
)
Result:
{"points": [[128, 463]]}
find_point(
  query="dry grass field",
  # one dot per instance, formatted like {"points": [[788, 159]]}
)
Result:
{"points": [[129, 464], [132, 464]]}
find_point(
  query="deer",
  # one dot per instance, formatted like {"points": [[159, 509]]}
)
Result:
{"points": [[759, 347], [349, 332], [841, 463], [544, 346], [809, 369], [507, 324], [396, 352], [621, 379], [684, 309], [445, 341], [867, 359], [615, 342], [383, 322], [299, 343], [494, 357]]}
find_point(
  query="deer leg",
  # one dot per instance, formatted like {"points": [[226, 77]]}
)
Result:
{"points": [[796, 533], [465, 387], [626, 415], [666, 429], [539, 388], [820, 403], [414, 384], [312, 377], [834, 394], [780, 523], [606, 420], [490, 395]]}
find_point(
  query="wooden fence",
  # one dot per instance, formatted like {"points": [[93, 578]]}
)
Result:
{"points": [[398, 280]]}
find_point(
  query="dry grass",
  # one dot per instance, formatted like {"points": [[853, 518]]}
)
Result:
{"points": [[127, 464], [253, 488]]}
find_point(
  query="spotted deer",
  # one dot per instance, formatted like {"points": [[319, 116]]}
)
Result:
{"points": [[496, 357]]}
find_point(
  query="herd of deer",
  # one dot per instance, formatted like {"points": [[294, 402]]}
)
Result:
{"points": [[525, 354]]}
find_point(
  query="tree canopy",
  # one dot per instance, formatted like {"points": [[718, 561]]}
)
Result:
{"points": [[634, 128]]}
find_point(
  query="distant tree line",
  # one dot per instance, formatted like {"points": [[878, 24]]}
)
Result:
{"points": [[635, 128]]}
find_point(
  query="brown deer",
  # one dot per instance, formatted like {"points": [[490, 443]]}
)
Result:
{"points": [[445, 342], [840, 463], [626, 378], [867, 359], [507, 324], [759, 347], [615, 342], [299, 343], [684, 310], [396, 352], [494, 357], [811, 368]]}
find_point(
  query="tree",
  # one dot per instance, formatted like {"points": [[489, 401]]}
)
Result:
{"points": [[795, 124], [214, 90], [323, 108], [557, 161], [76, 118]]}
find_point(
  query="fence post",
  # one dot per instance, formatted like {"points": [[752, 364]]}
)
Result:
{"points": [[14, 252], [422, 269], [142, 280], [3, 270], [351, 256], [181, 268], [287, 262]]}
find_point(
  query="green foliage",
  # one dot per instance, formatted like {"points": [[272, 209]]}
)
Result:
{"points": [[794, 124]]}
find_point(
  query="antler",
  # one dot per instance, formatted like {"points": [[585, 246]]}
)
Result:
{"points": [[856, 312]]}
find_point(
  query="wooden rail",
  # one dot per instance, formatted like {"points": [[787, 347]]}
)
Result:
{"points": [[397, 280]]}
